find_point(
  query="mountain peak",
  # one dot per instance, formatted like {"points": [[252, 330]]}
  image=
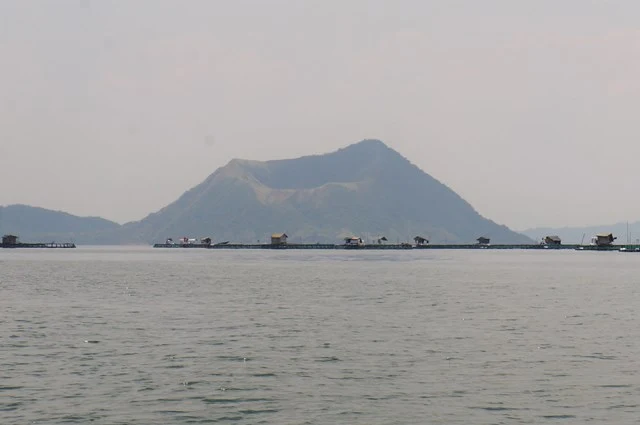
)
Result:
{"points": [[373, 143], [370, 145], [366, 188]]}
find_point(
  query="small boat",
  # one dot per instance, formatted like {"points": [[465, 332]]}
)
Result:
{"points": [[629, 249]]}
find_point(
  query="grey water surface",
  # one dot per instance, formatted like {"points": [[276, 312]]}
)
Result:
{"points": [[121, 335]]}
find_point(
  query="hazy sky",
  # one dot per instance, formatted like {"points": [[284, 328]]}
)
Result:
{"points": [[530, 110]]}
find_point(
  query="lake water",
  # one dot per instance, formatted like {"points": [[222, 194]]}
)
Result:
{"points": [[141, 336]]}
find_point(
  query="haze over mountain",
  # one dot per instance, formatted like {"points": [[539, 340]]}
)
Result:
{"points": [[366, 189], [33, 224], [121, 92]]}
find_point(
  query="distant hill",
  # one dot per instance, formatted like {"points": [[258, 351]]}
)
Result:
{"points": [[33, 224], [366, 189], [574, 235]]}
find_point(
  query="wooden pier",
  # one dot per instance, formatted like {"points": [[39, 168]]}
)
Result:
{"points": [[404, 246], [11, 241], [496, 246], [39, 245], [180, 245]]}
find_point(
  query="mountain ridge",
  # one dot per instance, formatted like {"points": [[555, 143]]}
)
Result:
{"points": [[354, 190], [365, 189]]}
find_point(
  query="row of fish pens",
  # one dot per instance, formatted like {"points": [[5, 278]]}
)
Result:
{"points": [[388, 246], [308, 246]]}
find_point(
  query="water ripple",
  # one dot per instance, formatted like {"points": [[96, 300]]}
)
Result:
{"points": [[139, 336]]}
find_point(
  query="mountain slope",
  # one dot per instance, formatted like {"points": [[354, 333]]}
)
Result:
{"points": [[33, 224], [365, 189]]}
